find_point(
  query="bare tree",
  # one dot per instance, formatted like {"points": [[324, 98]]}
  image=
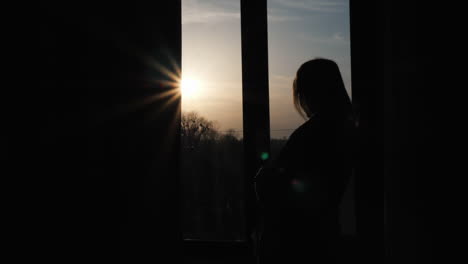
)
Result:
{"points": [[195, 129]]}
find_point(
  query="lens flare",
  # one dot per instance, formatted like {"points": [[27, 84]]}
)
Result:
{"points": [[189, 87]]}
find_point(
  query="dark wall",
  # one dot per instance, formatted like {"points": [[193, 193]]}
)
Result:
{"points": [[411, 50], [394, 50], [102, 134]]}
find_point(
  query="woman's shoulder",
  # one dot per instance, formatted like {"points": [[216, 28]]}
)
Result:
{"points": [[301, 137], [306, 130], [315, 134]]}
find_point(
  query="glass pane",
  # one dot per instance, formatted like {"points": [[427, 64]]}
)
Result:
{"points": [[212, 173], [300, 30]]}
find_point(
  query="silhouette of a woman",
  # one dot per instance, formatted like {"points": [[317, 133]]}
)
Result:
{"points": [[299, 193]]}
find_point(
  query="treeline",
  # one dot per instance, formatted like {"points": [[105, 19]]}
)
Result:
{"points": [[212, 180], [212, 193]]}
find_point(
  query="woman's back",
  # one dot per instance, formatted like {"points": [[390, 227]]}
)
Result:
{"points": [[301, 198], [300, 193]]}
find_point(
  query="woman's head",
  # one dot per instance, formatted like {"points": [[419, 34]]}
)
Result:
{"points": [[319, 89]]}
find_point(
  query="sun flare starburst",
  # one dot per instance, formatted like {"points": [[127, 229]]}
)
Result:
{"points": [[189, 87]]}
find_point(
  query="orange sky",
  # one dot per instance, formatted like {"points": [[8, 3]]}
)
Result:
{"points": [[299, 30]]}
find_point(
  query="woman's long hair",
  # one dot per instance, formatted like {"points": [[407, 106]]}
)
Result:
{"points": [[318, 89]]}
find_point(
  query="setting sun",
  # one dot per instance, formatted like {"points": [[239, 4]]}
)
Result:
{"points": [[189, 87]]}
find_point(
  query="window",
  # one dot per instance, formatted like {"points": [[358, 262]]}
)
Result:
{"points": [[213, 187], [212, 147], [300, 30]]}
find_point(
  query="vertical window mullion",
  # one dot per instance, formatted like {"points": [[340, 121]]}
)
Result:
{"points": [[255, 98]]}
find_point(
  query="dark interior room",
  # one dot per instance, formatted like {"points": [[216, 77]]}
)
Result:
{"points": [[101, 140]]}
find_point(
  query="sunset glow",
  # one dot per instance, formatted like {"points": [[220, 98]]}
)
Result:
{"points": [[189, 87], [298, 30]]}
